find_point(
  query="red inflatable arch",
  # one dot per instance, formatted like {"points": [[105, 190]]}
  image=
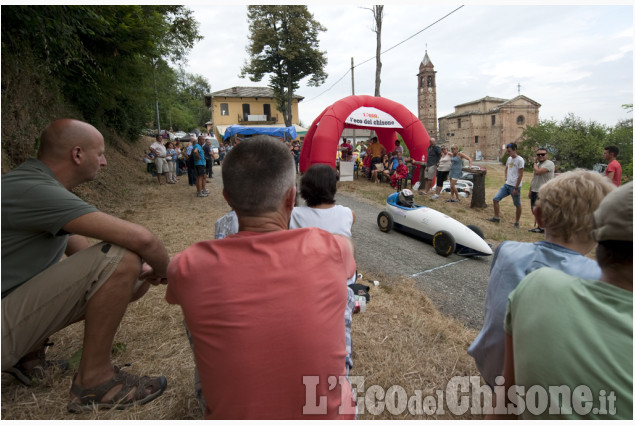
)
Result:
{"points": [[384, 116]]}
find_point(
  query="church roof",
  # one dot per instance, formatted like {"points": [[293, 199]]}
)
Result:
{"points": [[501, 103], [533, 102], [483, 99], [426, 62]]}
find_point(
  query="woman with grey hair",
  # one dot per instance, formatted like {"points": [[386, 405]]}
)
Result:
{"points": [[564, 209]]}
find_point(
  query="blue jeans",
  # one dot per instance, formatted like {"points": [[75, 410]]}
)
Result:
{"points": [[507, 190]]}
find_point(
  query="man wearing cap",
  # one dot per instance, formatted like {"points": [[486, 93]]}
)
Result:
{"points": [[543, 172], [587, 323], [160, 162]]}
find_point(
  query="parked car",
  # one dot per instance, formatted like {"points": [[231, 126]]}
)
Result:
{"points": [[180, 135], [215, 146], [464, 187], [600, 168]]}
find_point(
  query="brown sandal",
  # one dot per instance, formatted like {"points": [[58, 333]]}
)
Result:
{"points": [[92, 398]]}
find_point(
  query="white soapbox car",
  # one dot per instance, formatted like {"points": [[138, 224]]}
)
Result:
{"points": [[446, 234]]}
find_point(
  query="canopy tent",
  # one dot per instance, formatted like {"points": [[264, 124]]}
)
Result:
{"points": [[277, 131], [384, 116]]}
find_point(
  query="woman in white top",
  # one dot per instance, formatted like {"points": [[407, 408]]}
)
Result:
{"points": [[443, 169], [317, 187]]}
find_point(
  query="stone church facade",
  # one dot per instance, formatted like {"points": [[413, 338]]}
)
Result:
{"points": [[481, 128]]}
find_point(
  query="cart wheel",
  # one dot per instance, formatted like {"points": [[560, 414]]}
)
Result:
{"points": [[443, 243], [477, 230], [384, 221]]}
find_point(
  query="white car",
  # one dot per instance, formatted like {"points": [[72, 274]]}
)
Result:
{"points": [[215, 147], [464, 187], [446, 234]]}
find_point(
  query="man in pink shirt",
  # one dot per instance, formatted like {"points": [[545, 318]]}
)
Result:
{"points": [[614, 169], [267, 323]]}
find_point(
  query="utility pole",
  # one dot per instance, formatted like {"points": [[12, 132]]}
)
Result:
{"points": [[156, 95], [353, 91]]}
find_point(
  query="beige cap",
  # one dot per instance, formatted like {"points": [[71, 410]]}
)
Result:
{"points": [[613, 220]]}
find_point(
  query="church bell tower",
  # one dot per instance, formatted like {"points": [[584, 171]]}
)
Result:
{"points": [[427, 96]]}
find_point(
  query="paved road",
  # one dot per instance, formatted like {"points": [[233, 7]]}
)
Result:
{"points": [[455, 284]]}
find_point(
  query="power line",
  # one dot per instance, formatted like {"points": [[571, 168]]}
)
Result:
{"points": [[385, 51]]}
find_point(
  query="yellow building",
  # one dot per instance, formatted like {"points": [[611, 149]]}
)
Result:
{"points": [[249, 106]]}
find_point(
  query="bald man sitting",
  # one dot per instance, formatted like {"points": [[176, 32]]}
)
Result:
{"points": [[41, 221]]}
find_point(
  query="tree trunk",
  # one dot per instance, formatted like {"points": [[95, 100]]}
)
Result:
{"points": [[478, 195], [288, 115]]}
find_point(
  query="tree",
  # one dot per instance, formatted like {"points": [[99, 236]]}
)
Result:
{"points": [[283, 43], [574, 143], [622, 137], [378, 16], [100, 57]]}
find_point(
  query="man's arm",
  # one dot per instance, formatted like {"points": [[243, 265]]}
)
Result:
{"points": [[540, 171], [346, 242], [134, 237], [520, 177], [510, 380]]}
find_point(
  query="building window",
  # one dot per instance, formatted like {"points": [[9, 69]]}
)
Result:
{"points": [[476, 140], [246, 111], [266, 110], [224, 109], [493, 120], [520, 120], [458, 123], [430, 81]]}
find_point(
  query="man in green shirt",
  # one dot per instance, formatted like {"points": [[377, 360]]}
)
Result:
{"points": [[571, 339], [42, 221]]}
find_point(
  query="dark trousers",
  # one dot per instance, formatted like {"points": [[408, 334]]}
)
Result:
{"points": [[191, 175], [208, 167]]}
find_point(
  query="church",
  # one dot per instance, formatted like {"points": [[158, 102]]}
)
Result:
{"points": [[482, 127]]}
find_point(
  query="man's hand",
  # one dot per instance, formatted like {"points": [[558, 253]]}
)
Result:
{"points": [[147, 274]]}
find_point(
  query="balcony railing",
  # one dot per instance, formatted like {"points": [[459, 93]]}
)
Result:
{"points": [[257, 119]]}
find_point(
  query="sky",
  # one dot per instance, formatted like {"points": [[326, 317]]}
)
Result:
{"points": [[569, 58]]}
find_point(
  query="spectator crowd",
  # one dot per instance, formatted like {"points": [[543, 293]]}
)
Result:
{"points": [[554, 316]]}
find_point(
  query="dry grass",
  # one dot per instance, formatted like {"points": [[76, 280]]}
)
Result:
{"points": [[401, 339]]}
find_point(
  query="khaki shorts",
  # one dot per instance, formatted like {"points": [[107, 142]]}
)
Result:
{"points": [[161, 164], [431, 171], [54, 299]]}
